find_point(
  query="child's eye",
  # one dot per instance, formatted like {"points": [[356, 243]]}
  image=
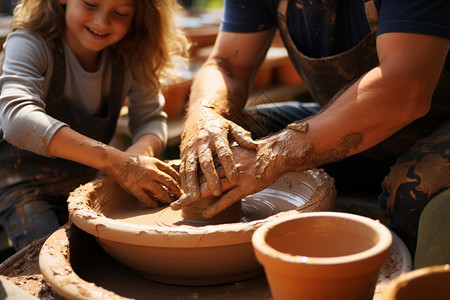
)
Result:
{"points": [[89, 4], [121, 14]]}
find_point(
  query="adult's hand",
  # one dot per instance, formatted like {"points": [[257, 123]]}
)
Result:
{"points": [[258, 168], [205, 139], [149, 179]]}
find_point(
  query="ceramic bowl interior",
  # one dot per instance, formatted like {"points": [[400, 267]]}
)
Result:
{"points": [[178, 253], [327, 237]]}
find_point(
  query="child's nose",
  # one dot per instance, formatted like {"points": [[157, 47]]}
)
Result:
{"points": [[103, 17]]}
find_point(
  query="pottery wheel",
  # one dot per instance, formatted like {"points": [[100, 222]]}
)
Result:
{"points": [[77, 268]]}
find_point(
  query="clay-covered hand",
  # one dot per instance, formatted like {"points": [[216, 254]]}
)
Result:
{"points": [[257, 169], [210, 136], [149, 179]]}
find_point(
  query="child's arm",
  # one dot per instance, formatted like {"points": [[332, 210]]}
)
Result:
{"points": [[145, 177], [147, 144]]}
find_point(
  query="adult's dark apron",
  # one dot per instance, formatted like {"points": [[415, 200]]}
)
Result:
{"points": [[23, 172], [326, 76]]}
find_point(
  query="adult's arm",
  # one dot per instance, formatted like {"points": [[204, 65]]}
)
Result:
{"points": [[219, 92], [380, 103]]}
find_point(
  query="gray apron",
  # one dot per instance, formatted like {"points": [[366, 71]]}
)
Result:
{"points": [[23, 172], [325, 77]]}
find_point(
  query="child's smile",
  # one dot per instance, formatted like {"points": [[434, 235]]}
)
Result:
{"points": [[96, 33], [93, 25]]}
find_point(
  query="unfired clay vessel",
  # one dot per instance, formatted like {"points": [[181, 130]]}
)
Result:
{"points": [[160, 245], [322, 255], [425, 283]]}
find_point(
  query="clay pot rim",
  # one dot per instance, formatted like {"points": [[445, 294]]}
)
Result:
{"points": [[384, 244], [393, 287], [54, 262], [123, 232], [100, 226]]}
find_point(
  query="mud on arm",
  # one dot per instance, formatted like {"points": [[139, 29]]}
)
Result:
{"points": [[219, 92], [380, 103], [150, 180]]}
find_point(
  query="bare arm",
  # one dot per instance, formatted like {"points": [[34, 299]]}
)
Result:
{"points": [[147, 144], [389, 97], [142, 175], [219, 91]]}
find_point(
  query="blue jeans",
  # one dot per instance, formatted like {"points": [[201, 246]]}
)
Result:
{"points": [[28, 217]]}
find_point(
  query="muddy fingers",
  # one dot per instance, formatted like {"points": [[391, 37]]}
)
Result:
{"points": [[224, 202]]}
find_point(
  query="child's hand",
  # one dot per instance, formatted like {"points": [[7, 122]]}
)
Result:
{"points": [[149, 179]]}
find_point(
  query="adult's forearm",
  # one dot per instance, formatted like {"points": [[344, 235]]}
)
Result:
{"points": [[224, 81], [371, 110], [216, 87], [379, 104]]}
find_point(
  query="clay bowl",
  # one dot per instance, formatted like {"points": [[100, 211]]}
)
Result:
{"points": [[160, 246], [322, 255], [287, 75], [201, 37], [425, 283], [176, 95]]}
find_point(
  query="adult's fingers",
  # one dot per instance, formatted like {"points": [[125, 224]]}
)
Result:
{"points": [[224, 202], [184, 200], [242, 137], [189, 175], [206, 161], [225, 156]]}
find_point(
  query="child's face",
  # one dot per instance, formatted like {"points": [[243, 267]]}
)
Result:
{"points": [[92, 25]]}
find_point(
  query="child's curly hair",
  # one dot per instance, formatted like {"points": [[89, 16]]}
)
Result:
{"points": [[149, 48]]}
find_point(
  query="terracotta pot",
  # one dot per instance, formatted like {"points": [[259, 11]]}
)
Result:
{"points": [[286, 74], [176, 96], [322, 255], [263, 78], [426, 283], [201, 37]]}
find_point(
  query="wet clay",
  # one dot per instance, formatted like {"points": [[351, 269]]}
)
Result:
{"points": [[254, 207], [304, 155], [193, 214], [161, 245], [300, 127], [26, 275]]}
